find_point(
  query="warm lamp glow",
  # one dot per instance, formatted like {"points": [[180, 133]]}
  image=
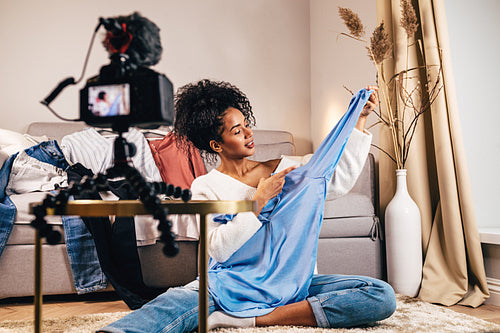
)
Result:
{"points": [[332, 116]]}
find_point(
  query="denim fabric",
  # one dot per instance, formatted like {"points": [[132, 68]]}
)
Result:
{"points": [[28, 174], [4, 175], [7, 209], [347, 301], [337, 301], [85, 267], [176, 310], [48, 152], [7, 216], [81, 250]]}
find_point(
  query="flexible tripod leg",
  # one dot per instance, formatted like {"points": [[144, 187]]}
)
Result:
{"points": [[148, 194]]}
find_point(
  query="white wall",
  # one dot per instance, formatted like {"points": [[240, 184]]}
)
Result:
{"points": [[474, 30], [475, 47], [262, 46], [285, 54], [336, 62]]}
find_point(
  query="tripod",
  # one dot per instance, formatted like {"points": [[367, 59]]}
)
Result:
{"points": [[147, 193]]}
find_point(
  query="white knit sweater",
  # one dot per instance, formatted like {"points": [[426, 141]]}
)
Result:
{"points": [[225, 239]]}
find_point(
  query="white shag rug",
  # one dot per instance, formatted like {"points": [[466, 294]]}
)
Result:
{"points": [[411, 315]]}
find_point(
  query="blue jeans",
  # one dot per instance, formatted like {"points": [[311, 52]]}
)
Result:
{"points": [[85, 268], [47, 152], [336, 301]]}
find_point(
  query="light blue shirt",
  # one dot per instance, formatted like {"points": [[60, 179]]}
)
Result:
{"points": [[275, 266]]}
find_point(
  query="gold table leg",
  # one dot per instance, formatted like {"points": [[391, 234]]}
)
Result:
{"points": [[96, 208], [203, 292], [38, 283]]}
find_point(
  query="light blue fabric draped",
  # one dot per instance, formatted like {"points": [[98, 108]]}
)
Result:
{"points": [[275, 266]]}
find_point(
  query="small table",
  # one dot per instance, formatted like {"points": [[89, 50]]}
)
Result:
{"points": [[96, 208]]}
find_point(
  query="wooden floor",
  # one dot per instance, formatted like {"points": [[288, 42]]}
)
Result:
{"points": [[61, 306], [68, 305]]}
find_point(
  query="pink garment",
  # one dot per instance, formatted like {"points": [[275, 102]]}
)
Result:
{"points": [[176, 166]]}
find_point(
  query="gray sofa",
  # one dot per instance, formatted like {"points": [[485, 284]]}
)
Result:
{"points": [[350, 240]]}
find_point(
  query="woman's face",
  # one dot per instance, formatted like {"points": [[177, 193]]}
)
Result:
{"points": [[237, 136]]}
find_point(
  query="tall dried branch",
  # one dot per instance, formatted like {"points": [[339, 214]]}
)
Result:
{"points": [[402, 120]]}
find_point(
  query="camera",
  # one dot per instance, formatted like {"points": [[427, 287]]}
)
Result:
{"points": [[126, 92], [121, 96]]}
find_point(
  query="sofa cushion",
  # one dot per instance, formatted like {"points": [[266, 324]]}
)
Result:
{"points": [[18, 261], [159, 271], [361, 196], [22, 232], [352, 256], [362, 226]]}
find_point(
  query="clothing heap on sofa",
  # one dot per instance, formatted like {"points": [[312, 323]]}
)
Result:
{"points": [[96, 248]]}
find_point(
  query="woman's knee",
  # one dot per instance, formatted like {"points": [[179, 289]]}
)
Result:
{"points": [[355, 301], [386, 300]]}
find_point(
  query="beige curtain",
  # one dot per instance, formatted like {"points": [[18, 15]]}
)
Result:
{"points": [[438, 181]]}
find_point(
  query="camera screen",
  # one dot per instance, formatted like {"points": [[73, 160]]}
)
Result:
{"points": [[109, 100]]}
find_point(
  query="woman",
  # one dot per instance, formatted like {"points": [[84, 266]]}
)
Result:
{"points": [[217, 118]]}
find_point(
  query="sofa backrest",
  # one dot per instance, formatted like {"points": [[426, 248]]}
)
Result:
{"points": [[54, 130], [269, 144]]}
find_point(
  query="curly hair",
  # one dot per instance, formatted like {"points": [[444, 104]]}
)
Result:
{"points": [[199, 111]]}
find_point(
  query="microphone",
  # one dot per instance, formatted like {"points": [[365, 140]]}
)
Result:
{"points": [[111, 25]]}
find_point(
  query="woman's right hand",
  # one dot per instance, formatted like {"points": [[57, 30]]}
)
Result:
{"points": [[270, 187]]}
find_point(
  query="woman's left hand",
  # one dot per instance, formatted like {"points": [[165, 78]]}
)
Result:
{"points": [[372, 102]]}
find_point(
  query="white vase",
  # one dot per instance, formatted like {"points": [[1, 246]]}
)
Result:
{"points": [[403, 239]]}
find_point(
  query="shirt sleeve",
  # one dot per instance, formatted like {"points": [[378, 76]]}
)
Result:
{"points": [[351, 163], [348, 169], [223, 239]]}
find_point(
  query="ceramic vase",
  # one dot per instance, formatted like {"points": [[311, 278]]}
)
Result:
{"points": [[403, 238]]}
